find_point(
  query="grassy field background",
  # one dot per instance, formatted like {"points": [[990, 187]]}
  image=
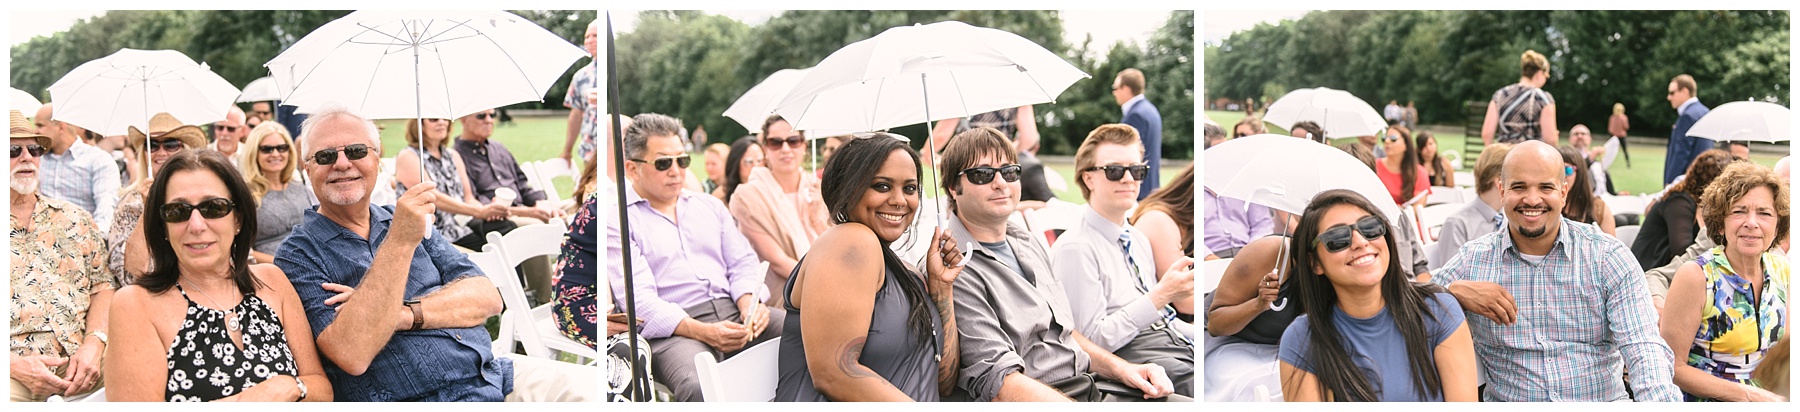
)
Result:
{"points": [[529, 138]]}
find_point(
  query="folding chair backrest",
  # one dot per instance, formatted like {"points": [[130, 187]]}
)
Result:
{"points": [[515, 319], [748, 377], [530, 241]]}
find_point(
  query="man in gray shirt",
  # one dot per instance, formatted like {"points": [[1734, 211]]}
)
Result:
{"points": [[1016, 329], [1482, 215]]}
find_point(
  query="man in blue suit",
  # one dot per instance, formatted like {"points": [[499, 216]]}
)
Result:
{"points": [[1683, 148], [1128, 90]]}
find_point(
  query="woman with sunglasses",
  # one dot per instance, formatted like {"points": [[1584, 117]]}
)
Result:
{"points": [[779, 208], [204, 324], [861, 325], [1401, 171], [455, 195], [1582, 205], [268, 164], [129, 255], [746, 154], [1368, 333]]}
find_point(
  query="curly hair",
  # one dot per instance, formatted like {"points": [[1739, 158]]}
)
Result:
{"points": [[1738, 179], [1702, 171]]}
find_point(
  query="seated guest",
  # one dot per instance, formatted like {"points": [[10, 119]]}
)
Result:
{"points": [[1584, 206], [201, 205], [1401, 171], [1669, 225], [696, 279], [779, 208], [1120, 301], [1437, 168], [446, 167], [167, 136], [229, 133], [715, 167], [1017, 334], [745, 155], [1243, 329], [1726, 308], [575, 281], [1308, 130], [268, 168], [1581, 316], [1166, 218], [76, 171], [491, 166], [60, 290], [1658, 279], [1248, 126], [1481, 215], [861, 325], [412, 328], [1369, 333]]}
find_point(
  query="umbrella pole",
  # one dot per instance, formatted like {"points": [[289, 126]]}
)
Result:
{"points": [[612, 106], [931, 143], [419, 116]]}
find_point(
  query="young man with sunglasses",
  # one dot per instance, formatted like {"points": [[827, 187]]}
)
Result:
{"points": [[412, 327], [698, 287], [1121, 301], [1018, 336], [1558, 309], [79, 173], [60, 293], [780, 209], [228, 133]]}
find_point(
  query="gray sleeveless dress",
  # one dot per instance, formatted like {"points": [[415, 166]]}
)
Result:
{"points": [[891, 350]]}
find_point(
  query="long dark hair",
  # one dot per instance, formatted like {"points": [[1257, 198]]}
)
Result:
{"points": [[734, 164], [852, 168], [1338, 376], [167, 268], [1409, 164], [1176, 200], [1580, 204], [1439, 167]]}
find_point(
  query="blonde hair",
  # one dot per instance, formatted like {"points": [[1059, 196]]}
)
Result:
{"points": [[1532, 62], [1114, 133], [1618, 108], [252, 169]]}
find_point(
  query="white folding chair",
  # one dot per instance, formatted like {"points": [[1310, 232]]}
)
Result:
{"points": [[545, 178], [99, 395], [1465, 179], [1627, 234], [748, 377], [1443, 195], [1432, 218], [494, 266], [534, 326], [1215, 270], [1055, 180]]}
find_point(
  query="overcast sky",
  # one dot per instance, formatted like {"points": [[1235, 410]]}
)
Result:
{"points": [[1216, 25]]}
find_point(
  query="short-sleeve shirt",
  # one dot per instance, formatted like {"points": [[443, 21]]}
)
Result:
{"points": [[1375, 346], [1519, 107], [56, 267], [433, 365], [1392, 180], [577, 99]]}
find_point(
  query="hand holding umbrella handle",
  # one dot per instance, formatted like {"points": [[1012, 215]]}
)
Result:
{"points": [[1280, 276]]}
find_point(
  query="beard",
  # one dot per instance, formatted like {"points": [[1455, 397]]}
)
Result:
{"points": [[1531, 234], [24, 186]]}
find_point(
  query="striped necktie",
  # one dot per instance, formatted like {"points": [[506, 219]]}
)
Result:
{"points": [[1168, 311]]}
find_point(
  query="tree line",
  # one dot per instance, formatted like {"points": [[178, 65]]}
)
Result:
{"points": [[1445, 59]]}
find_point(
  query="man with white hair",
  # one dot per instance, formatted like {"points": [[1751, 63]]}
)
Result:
{"points": [[413, 327], [228, 133]]}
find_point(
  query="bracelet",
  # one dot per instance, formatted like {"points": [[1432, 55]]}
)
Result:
{"points": [[302, 385]]}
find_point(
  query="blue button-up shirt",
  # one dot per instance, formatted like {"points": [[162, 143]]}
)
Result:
{"points": [[455, 364], [1583, 309]]}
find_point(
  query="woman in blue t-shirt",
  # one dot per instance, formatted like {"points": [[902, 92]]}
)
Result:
{"points": [[1368, 333]]}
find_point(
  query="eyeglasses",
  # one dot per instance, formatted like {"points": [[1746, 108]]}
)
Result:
{"points": [[35, 150], [166, 145], [985, 175], [224, 128], [663, 163], [1116, 172], [1337, 238], [486, 116], [1391, 138], [752, 162], [329, 156], [283, 148], [1568, 170], [177, 212], [793, 142]]}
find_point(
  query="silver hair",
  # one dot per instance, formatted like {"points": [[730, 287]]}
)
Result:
{"points": [[645, 126], [330, 112]]}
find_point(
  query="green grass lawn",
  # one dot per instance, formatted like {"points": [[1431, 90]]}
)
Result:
{"points": [[1643, 175], [529, 138]]}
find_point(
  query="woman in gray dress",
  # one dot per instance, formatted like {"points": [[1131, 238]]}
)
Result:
{"points": [[268, 167], [861, 325]]}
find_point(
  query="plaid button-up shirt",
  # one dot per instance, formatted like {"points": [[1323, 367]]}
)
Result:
{"points": [[1583, 310]]}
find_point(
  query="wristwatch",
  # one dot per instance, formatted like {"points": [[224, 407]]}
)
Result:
{"points": [[102, 336], [302, 385], [418, 311]]}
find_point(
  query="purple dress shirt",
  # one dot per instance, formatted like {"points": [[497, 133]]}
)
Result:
{"points": [[676, 266], [1229, 225]]}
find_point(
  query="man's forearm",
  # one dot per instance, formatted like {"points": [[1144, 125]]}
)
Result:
{"points": [[1016, 387], [467, 301], [364, 324], [1100, 360], [99, 304], [574, 130]]}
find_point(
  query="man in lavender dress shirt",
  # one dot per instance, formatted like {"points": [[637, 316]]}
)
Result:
{"points": [[697, 284]]}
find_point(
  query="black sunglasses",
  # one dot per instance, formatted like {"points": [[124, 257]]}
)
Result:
{"points": [[177, 212], [1116, 172], [227, 129], [485, 116], [984, 175], [793, 142], [283, 148], [35, 150], [663, 163], [167, 145], [1337, 238], [329, 156]]}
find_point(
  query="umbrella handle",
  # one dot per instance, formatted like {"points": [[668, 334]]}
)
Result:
{"points": [[1280, 276]]}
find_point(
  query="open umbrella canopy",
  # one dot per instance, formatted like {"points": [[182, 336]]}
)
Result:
{"points": [[429, 64], [759, 102], [912, 74], [109, 94], [261, 90], [1284, 172], [22, 101], [1744, 121], [1340, 113]]}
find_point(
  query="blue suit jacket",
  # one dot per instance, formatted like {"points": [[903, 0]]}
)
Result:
{"points": [[1683, 148], [1144, 117]]}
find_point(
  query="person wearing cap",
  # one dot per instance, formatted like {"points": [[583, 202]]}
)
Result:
{"points": [[60, 295], [78, 172], [166, 136]]}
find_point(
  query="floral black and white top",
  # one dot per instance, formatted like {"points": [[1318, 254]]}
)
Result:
{"points": [[205, 364]]}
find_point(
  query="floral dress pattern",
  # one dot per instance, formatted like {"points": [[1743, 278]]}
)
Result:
{"points": [[126, 217], [56, 267], [205, 364], [575, 277], [1736, 330]]}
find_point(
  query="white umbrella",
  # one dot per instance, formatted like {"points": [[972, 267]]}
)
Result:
{"points": [[1284, 173], [759, 102], [1340, 113], [23, 102], [1744, 121], [260, 90], [423, 64], [109, 94]]}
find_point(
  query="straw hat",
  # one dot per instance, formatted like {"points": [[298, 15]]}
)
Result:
{"points": [[164, 125], [23, 129]]}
